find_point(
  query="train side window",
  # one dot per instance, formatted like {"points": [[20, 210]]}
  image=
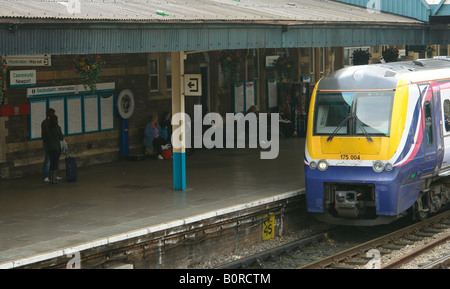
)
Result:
{"points": [[428, 123], [447, 115]]}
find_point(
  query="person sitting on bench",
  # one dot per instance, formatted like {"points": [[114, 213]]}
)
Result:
{"points": [[152, 138]]}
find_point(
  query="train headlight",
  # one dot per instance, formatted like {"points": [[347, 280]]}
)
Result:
{"points": [[378, 167], [388, 167], [312, 165], [322, 165]]}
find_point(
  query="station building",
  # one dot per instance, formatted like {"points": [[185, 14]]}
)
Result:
{"points": [[125, 211], [142, 43]]}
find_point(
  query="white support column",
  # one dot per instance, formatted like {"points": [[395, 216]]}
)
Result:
{"points": [[179, 153]]}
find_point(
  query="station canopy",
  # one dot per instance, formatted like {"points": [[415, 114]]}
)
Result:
{"points": [[126, 26]]}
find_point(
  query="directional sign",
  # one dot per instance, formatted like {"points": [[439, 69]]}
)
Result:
{"points": [[28, 60], [193, 84]]}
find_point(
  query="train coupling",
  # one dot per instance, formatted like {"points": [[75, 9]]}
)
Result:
{"points": [[346, 204]]}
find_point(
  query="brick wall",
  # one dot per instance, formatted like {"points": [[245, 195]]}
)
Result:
{"points": [[189, 244], [22, 157]]}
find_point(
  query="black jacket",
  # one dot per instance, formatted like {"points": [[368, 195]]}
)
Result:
{"points": [[52, 137]]}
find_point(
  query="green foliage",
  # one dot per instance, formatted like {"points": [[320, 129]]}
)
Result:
{"points": [[285, 67], [361, 57], [229, 60], [390, 54], [89, 68]]}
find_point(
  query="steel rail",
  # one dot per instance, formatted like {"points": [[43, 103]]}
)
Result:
{"points": [[413, 254], [247, 261], [441, 263], [378, 242]]}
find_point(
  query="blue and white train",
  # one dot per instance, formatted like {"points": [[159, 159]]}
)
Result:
{"points": [[378, 143]]}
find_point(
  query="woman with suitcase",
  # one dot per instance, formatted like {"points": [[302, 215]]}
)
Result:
{"points": [[52, 136]]}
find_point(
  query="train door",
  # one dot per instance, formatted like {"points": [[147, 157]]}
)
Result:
{"points": [[439, 138], [429, 131], [445, 105]]}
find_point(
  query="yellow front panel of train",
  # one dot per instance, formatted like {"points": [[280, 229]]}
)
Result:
{"points": [[354, 145], [359, 147]]}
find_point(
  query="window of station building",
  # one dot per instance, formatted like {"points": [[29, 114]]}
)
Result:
{"points": [[256, 64], [307, 61], [322, 59], [443, 49], [168, 73], [154, 75]]}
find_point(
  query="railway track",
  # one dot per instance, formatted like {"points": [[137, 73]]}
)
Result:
{"points": [[369, 254], [441, 263], [256, 261], [397, 263], [344, 249]]}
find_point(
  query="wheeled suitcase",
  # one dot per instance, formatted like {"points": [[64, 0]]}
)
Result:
{"points": [[71, 169]]}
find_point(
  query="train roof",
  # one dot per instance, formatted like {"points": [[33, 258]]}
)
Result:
{"points": [[386, 75], [418, 65]]}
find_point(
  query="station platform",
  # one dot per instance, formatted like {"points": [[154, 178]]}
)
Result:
{"points": [[124, 198]]}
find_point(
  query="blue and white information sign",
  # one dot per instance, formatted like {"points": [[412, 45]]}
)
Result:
{"points": [[78, 110]]}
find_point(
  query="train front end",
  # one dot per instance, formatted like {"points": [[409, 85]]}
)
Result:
{"points": [[357, 122]]}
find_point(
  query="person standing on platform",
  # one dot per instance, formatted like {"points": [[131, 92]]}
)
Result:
{"points": [[286, 126], [52, 136], [46, 167]]}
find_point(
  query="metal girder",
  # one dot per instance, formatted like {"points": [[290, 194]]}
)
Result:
{"points": [[32, 38], [438, 7]]}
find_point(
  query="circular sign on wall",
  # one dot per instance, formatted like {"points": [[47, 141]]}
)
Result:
{"points": [[125, 103]]}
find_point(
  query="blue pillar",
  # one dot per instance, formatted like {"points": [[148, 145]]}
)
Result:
{"points": [[179, 171], [124, 139]]}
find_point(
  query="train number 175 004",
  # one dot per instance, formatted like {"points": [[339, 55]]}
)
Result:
{"points": [[350, 157]]}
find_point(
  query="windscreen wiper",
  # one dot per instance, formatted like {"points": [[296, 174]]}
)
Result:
{"points": [[360, 123], [363, 129], [330, 138]]}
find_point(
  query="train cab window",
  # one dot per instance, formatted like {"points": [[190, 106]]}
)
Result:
{"points": [[354, 113], [332, 114], [374, 113], [447, 115], [428, 123]]}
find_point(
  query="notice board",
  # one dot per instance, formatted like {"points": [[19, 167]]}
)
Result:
{"points": [[272, 97], [78, 111], [244, 96], [38, 108]]}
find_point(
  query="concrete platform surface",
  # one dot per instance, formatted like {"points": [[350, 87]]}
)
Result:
{"points": [[123, 198]]}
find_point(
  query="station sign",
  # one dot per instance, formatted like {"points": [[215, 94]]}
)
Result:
{"points": [[28, 60], [22, 78], [193, 84], [270, 60], [50, 91]]}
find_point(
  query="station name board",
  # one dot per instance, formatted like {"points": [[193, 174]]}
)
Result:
{"points": [[21, 78]]}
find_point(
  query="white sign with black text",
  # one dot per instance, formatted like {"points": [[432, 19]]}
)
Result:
{"points": [[22, 78], [28, 60]]}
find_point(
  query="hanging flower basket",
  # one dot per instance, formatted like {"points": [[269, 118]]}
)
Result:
{"points": [[390, 55], [361, 57], [229, 61], [285, 67], [89, 68], [431, 50], [2, 79]]}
